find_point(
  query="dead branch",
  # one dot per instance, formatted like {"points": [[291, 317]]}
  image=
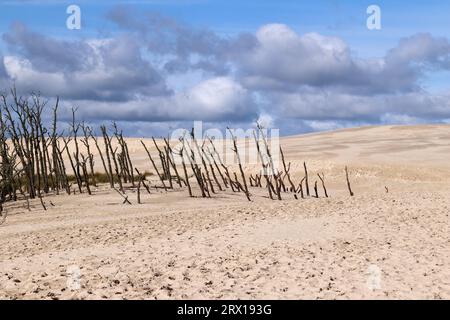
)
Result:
{"points": [[348, 183], [322, 179]]}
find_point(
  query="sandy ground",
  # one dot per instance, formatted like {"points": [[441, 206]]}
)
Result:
{"points": [[377, 245]]}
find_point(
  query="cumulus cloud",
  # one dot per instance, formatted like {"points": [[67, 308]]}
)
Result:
{"points": [[283, 60], [214, 100], [157, 70], [98, 69], [185, 47], [321, 105]]}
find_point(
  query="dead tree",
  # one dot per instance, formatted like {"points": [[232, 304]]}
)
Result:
{"points": [[264, 167], [127, 164], [139, 190], [286, 172], [116, 166], [87, 131], [154, 165], [125, 198], [111, 154], [185, 172], [85, 174], [271, 164], [236, 151], [199, 176], [227, 173], [166, 170], [201, 155], [196, 170], [210, 164], [348, 183], [306, 179], [322, 179], [59, 179], [75, 127], [205, 185], [106, 142], [171, 160], [72, 164], [142, 177], [39, 139], [61, 166], [107, 172], [19, 135], [300, 188], [315, 189]]}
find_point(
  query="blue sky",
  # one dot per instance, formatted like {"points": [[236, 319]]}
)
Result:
{"points": [[344, 18], [220, 21]]}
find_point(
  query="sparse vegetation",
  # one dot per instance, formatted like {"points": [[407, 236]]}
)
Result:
{"points": [[34, 160]]}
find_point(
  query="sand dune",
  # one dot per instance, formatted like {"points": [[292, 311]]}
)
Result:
{"points": [[374, 245]]}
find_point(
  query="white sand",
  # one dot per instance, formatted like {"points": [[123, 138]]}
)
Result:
{"points": [[374, 245]]}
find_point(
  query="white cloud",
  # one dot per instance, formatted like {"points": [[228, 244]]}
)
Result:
{"points": [[158, 70], [216, 99]]}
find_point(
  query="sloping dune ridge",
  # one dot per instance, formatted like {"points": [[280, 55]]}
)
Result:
{"points": [[389, 241]]}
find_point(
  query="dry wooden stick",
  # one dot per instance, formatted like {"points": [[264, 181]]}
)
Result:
{"points": [[348, 183], [185, 172], [87, 131], [322, 179], [200, 153], [108, 158], [154, 165], [300, 188], [143, 180], [211, 168], [315, 189], [171, 160], [139, 190], [306, 179], [286, 170], [264, 167], [85, 174], [269, 155], [164, 164], [236, 151], [224, 180], [196, 170], [123, 196]]}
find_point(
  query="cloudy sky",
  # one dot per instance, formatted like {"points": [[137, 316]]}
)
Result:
{"points": [[299, 66]]}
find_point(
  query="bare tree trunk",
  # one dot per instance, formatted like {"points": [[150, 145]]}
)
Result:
{"points": [[277, 188], [154, 165], [306, 179], [197, 171], [247, 194], [322, 179], [75, 172], [203, 162], [171, 160], [348, 183], [315, 189], [85, 174], [264, 167], [286, 170], [300, 188], [139, 190], [185, 173], [87, 134], [106, 142]]}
